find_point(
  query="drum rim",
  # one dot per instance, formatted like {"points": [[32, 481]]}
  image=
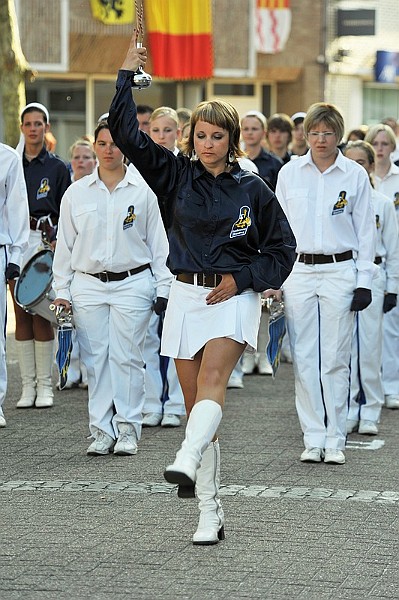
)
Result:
{"points": [[28, 307]]}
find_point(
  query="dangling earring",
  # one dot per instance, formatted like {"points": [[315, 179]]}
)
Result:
{"points": [[231, 157], [194, 155]]}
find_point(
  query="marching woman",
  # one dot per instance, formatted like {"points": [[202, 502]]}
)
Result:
{"points": [[110, 264], [228, 240]]}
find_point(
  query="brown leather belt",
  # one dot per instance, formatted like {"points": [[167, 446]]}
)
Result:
{"points": [[43, 224], [322, 259], [377, 260], [202, 279], [106, 276]]}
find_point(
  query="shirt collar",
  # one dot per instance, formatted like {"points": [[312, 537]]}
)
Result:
{"points": [[199, 170], [339, 162], [130, 177], [40, 157]]}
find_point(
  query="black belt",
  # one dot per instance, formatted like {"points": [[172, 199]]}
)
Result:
{"points": [[322, 259], [106, 276], [202, 279], [377, 260]]}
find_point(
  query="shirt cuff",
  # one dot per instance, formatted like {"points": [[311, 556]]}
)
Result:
{"points": [[243, 279]]}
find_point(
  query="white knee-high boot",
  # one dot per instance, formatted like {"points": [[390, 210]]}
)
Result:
{"points": [[27, 366], [44, 354], [211, 522], [201, 427]]}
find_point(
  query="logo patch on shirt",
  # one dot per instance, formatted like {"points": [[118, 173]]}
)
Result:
{"points": [[44, 189], [396, 200], [130, 218], [240, 227], [377, 221], [340, 204]]}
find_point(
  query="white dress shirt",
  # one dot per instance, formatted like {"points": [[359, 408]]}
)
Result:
{"points": [[387, 239], [14, 212], [389, 185], [103, 231], [330, 212]]}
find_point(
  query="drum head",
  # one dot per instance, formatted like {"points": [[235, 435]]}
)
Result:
{"points": [[35, 279]]}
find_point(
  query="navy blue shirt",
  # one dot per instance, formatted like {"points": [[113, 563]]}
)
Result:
{"points": [[231, 223], [47, 177], [268, 167]]}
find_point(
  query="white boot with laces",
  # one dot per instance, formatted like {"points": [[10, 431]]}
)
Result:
{"points": [[211, 522]]}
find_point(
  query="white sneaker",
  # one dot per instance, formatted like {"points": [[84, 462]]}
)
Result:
{"points": [[334, 457], [103, 444], [392, 401], [368, 427], [170, 421], [264, 367], [248, 363], [235, 382], [312, 455], [2, 419], [126, 444], [152, 419], [351, 425]]}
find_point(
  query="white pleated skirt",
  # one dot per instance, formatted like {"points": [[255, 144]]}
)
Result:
{"points": [[190, 323]]}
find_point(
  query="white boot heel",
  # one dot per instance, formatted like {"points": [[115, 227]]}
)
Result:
{"points": [[211, 522], [201, 427]]}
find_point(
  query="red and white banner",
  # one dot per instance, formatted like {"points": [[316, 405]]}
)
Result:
{"points": [[273, 25]]}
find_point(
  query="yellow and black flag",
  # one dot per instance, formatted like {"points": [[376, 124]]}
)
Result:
{"points": [[113, 12]]}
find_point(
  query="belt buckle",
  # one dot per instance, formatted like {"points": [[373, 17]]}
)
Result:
{"points": [[307, 260], [212, 281], [103, 277]]}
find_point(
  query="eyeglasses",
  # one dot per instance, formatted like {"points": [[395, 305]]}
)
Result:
{"points": [[313, 135]]}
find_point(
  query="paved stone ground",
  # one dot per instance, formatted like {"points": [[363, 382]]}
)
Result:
{"points": [[77, 527]]}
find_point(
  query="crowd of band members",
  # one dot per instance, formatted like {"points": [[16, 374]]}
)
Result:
{"points": [[269, 144]]}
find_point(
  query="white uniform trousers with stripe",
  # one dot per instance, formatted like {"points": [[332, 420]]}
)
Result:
{"points": [[154, 383], [367, 356], [111, 321], [390, 352], [3, 318], [320, 327]]}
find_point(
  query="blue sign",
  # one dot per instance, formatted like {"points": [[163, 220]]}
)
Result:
{"points": [[386, 66]]}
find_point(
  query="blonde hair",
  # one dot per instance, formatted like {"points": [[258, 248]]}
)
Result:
{"points": [[82, 142], [374, 131], [321, 112], [165, 111]]}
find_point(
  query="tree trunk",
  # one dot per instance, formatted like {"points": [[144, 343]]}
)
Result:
{"points": [[13, 69]]}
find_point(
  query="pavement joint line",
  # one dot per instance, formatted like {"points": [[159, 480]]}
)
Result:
{"points": [[251, 491]]}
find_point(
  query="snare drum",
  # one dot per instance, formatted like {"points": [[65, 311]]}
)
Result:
{"points": [[33, 291]]}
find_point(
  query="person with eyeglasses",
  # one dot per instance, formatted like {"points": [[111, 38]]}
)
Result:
{"points": [[327, 200]]}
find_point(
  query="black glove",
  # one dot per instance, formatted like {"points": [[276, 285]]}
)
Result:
{"points": [[159, 305], [12, 271], [361, 299], [389, 302]]}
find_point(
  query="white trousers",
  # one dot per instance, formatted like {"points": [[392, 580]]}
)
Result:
{"points": [[367, 356], [3, 320], [390, 352], [320, 327], [162, 388], [111, 322]]}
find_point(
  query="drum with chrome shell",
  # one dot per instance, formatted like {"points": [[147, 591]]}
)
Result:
{"points": [[33, 290]]}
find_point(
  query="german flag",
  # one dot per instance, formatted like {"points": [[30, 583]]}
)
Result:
{"points": [[180, 38]]}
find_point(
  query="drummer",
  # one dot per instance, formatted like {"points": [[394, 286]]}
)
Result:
{"points": [[47, 177]]}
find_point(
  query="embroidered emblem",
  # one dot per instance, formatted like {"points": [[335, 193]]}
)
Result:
{"points": [[44, 189], [130, 218], [396, 200], [240, 227], [377, 221], [340, 204]]}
